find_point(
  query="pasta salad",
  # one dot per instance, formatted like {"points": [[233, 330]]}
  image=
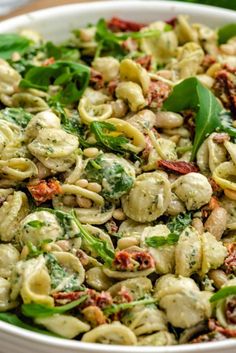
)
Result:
{"points": [[118, 182]]}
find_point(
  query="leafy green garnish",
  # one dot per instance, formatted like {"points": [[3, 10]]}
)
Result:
{"points": [[38, 310], [191, 94], [99, 246], [72, 77], [223, 293], [61, 52], [226, 32], [229, 4], [226, 124], [118, 181], [36, 224], [102, 131], [13, 319], [116, 308], [176, 226], [16, 116], [11, 43]]}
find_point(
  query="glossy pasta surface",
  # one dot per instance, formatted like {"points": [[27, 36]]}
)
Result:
{"points": [[118, 183]]}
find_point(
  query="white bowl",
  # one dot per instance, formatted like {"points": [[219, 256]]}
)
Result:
{"points": [[55, 24]]}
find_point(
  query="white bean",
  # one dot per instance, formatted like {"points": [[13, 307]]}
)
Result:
{"points": [[168, 120]]}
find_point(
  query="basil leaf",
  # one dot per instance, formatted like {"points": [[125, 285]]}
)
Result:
{"points": [[73, 78], [35, 224], [16, 116], [38, 310], [226, 32], [102, 131], [13, 319], [191, 94], [116, 308], [223, 293], [11, 43], [157, 241]]}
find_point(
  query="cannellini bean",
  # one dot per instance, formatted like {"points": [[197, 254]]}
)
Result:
{"points": [[218, 277], [119, 214], [168, 120], [94, 187], [84, 203], [216, 222], [83, 183], [91, 152], [63, 244], [119, 108], [198, 225], [230, 194], [126, 242], [69, 200]]}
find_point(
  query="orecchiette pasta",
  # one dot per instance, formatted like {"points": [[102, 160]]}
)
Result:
{"points": [[117, 183]]}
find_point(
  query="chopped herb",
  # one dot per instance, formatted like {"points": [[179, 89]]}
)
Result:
{"points": [[116, 308], [36, 224], [16, 116]]}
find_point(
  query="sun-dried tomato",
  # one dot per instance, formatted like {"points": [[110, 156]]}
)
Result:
{"points": [[126, 260], [225, 88], [112, 86], [172, 21], [44, 190], [116, 24], [179, 167], [230, 261], [145, 61], [48, 61], [221, 137], [96, 79], [214, 326], [230, 310], [208, 60], [158, 93]]}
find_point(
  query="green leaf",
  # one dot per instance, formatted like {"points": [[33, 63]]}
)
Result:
{"points": [[191, 94], [157, 241], [223, 293], [11, 43], [226, 32], [116, 308], [36, 224], [99, 246], [16, 116], [16, 321], [61, 52], [38, 310], [73, 78], [229, 4], [102, 131]]}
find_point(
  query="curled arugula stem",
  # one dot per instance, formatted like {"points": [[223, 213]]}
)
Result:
{"points": [[116, 308], [38, 310], [223, 293]]}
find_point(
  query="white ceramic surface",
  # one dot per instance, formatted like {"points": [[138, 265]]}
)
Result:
{"points": [[55, 24]]}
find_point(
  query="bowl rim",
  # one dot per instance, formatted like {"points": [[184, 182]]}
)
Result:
{"points": [[54, 342]]}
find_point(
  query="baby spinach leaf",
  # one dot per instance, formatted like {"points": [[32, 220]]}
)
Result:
{"points": [[13, 319], [118, 182], [226, 32], [176, 226], [16, 116], [223, 293], [116, 308], [61, 52], [191, 94], [72, 77], [11, 43], [35, 310], [103, 134]]}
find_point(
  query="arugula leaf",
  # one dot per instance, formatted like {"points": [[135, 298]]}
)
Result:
{"points": [[11, 43], [226, 32], [61, 52], [223, 293], [118, 181], [191, 94], [72, 77], [13, 319], [102, 131], [35, 310], [116, 308], [99, 246], [36, 224], [16, 116], [176, 226], [157, 241]]}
